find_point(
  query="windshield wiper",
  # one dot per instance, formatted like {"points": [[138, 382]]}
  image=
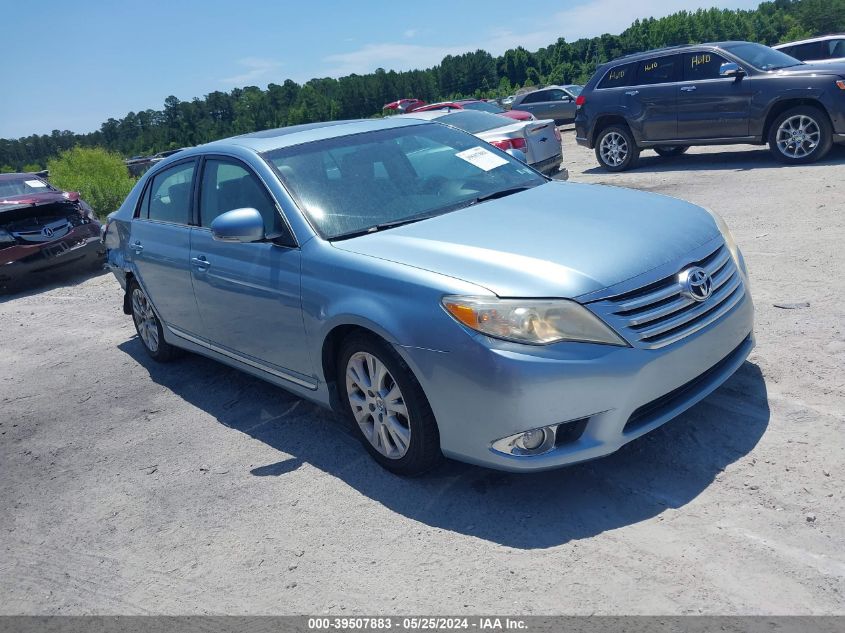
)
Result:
{"points": [[500, 194], [375, 228]]}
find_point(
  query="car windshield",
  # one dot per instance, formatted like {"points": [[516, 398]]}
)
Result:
{"points": [[365, 182], [482, 106], [762, 57], [22, 186]]}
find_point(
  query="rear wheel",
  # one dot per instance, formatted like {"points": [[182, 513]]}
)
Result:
{"points": [[800, 135], [148, 325], [387, 406], [616, 149], [671, 150]]}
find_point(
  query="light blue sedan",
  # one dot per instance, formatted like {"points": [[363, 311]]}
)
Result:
{"points": [[444, 296]]}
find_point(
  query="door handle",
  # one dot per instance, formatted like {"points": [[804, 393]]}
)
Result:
{"points": [[632, 93], [137, 247], [200, 262], [688, 88]]}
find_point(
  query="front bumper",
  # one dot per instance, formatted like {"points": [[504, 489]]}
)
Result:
{"points": [[80, 247], [492, 389]]}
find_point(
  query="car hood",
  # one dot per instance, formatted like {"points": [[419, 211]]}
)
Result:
{"points": [[47, 197], [555, 240], [830, 68]]}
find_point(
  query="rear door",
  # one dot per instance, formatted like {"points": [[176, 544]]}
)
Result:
{"points": [[159, 245], [711, 106], [552, 103], [650, 103], [248, 294]]}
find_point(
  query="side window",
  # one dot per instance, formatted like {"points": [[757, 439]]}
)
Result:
{"points": [[810, 50], [618, 77], [835, 49], [228, 185], [536, 97], [557, 95], [168, 198], [703, 65], [657, 70]]}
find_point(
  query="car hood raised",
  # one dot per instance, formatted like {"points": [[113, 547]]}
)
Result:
{"points": [[555, 240]]}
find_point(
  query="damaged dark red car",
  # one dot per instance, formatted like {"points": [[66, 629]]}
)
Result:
{"points": [[43, 229]]}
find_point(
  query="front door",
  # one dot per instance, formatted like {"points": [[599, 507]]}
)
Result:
{"points": [[711, 106], [160, 244], [248, 294]]}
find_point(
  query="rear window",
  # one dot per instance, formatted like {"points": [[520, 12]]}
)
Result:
{"points": [[482, 106], [618, 76], [474, 122], [657, 70]]}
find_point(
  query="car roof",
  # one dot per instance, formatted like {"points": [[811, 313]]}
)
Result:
{"points": [[19, 175], [266, 140], [677, 48], [810, 40]]}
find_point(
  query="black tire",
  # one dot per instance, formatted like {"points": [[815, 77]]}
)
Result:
{"points": [[668, 151], [802, 113], [623, 138], [162, 351], [423, 449]]}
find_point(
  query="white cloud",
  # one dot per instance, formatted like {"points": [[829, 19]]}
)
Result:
{"points": [[255, 68], [589, 19]]}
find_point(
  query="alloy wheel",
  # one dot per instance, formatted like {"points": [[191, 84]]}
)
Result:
{"points": [[798, 136], [145, 319], [378, 405], [614, 149]]}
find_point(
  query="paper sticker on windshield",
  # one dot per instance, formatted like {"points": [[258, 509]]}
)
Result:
{"points": [[482, 158], [35, 183]]}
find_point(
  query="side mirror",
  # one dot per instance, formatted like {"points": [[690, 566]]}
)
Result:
{"points": [[730, 69], [238, 225]]}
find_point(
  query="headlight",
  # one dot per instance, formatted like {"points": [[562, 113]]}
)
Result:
{"points": [[532, 321], [726, 233], [6, 237]]}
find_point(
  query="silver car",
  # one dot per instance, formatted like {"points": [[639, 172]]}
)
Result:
{"points": [[817, 50], [444, 296], [551, 102], [536, 143]]}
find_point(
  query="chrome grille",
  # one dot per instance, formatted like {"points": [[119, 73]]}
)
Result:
{"points": [[658, 314]]}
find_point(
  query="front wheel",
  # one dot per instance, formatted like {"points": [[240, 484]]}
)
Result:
{"points": [[387, 406], [148, 325], [616, 149], [800, 135], [671, 150]]}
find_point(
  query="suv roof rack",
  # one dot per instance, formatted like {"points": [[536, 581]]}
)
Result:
{"points": [[657, 50]]}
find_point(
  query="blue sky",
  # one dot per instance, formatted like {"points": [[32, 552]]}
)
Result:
{"points": [[72, 65]]}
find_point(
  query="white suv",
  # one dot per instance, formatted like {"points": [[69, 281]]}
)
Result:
{"points": [[818, 50]]}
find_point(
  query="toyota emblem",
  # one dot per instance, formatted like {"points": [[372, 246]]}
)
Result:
{"points": [[696, 283]]}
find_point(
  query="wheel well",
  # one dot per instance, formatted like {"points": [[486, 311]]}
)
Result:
{"points": [[782, 106], [127, 302], [331, 345], [604, 122]]}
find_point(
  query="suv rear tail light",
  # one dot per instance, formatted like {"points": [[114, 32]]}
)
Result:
{"points": [[509, 143], [840, 84], [580, 100]]}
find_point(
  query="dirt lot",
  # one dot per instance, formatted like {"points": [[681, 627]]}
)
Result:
{"points": [[131, 487]]}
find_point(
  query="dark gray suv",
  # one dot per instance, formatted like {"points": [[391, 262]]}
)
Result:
{"points": [[711, 94]]}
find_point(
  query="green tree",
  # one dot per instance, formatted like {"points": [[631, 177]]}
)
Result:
{"points": [[98, 175]]}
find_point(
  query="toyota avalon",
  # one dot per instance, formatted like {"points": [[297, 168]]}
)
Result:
{"points": [[443, 295]]}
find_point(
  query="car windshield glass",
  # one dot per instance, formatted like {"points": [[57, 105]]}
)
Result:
{"points": [[474, 122], [23, 186], [761, 57], [482, 106], [351, 184], [574, 90]]}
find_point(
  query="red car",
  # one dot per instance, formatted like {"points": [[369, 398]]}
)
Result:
{"points": [[43, 228], [475, 104], [403, 105]]}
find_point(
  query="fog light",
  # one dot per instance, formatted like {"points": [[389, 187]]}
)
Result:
{"points": [[533, 439]]}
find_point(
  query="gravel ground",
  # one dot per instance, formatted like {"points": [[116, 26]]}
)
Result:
{"points": [[133, 488]]}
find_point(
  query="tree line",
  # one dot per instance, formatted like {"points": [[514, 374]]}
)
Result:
{"points": [[473, 74]]}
